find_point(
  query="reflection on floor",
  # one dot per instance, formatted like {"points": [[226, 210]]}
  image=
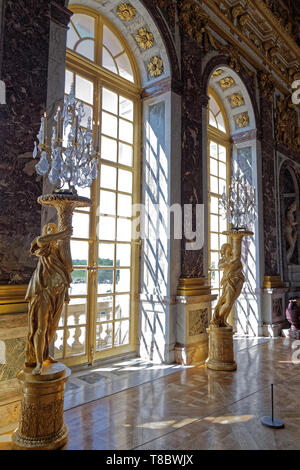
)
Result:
{"points": [[98, 382], [197, 408]]}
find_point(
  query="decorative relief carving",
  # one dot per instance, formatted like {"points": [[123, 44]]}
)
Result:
{"points": [[266, 84], [126, 12], [144, 38], [291, 231], [236, 100], [198, 322], [227, 82], [155, 67], [287, 131], [242, 120]]}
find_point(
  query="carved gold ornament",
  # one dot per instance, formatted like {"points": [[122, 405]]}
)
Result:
{"points": [[126, 12], [242, 120], [155, 67], [227, 82], [236, 100], [144, 38], [216, 73]]}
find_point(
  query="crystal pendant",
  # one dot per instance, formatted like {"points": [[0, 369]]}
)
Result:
{"points": [[43, 166], [94, 172], [53, 176], [35, 150]]}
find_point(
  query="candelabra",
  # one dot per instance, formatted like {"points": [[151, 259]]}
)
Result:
{"points": [[70, 161], [239, 205], [240, 209], [69, 158]]}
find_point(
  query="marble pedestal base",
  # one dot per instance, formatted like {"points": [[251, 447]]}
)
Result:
{"points": [[220, 354], [41, 426]]}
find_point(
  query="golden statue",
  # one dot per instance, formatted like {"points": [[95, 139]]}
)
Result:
{"points": [[232, 282], [291, 230], [221, 355], [46, 293]]}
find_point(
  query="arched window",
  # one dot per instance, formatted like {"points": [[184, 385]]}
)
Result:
{"points": [[218, 165], [100, 319]]}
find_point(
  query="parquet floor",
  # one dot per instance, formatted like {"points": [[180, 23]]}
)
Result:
{"points": [[198, 408]]}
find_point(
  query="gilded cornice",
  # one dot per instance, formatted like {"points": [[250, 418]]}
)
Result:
{"points": [[237, 19]]}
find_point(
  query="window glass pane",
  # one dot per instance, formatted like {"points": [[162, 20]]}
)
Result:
{"points": [[107, 202], [126, 108], [106, 254], [108, 62], [213, 147], [88, 110], [125, 131], [222, 170], [108, 149], [104, 336], [214, 241], [76, 312], [68, 81], [124, 66], [213, 105], [109, 125], [124, 230], [80, 251], [222, 186], [223, 224], [221, 124], [87, 49], [111, 42], [214, 257], [214, 223], [213, 167], [123, 255], [125, 154], [104, 309], [122, 306], [212, 120], [79, 282], [80, 224], [105, 281], [214, 184], [121, 333], [223, 239], [222, 153], [109, 101], [124, 205], [125, 181], [72, 37], [84, 24], [123, 280], [84, 89], [76, 341], [214, 205], [106, 228], [108, 177]]}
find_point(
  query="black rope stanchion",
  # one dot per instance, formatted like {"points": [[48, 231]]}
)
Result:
{"points": [[270, 421]]}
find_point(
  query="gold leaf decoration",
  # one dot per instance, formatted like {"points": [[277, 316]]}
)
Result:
{"points": [[242, 120], [144, 38], [126, 12], [227, 82], [236, 100], [155, 67], [216, 73]]}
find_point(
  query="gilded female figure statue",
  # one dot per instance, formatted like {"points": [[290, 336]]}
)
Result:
{"points": [[232, 282], [46, 293], [291, 230]]}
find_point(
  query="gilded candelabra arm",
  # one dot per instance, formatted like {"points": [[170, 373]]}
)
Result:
{"points": [[62, 235]]}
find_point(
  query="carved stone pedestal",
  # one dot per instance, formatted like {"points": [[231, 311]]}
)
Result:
{"points": [[193, 316], [41, 426], [221, 355]]}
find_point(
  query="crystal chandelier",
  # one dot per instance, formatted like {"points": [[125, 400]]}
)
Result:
{"points": [[239, 205], [70, 159]]}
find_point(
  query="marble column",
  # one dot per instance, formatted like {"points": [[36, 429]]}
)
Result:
{"points": [[193, 294], [273, 304]]}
